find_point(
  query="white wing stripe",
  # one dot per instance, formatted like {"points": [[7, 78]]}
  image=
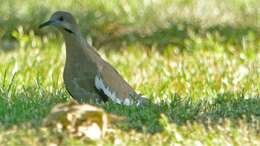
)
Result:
{"points": [[112, 95]]}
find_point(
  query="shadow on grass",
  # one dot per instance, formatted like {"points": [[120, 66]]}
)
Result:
{"points": [[29, 108], [179, 110], [178, 34]]}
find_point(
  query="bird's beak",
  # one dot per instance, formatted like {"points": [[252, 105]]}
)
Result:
{"points": [[46, 23]]}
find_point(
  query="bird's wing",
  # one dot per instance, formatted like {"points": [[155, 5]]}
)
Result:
{"points": [[113, 85], [110, 82]]}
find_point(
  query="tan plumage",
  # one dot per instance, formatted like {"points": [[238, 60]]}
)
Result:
{"points": [[86, 74]]}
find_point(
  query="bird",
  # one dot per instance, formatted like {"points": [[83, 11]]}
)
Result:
{"points": [[87, 76]]}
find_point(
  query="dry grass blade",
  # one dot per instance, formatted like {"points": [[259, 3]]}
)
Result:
{"points": [[80, 120]]}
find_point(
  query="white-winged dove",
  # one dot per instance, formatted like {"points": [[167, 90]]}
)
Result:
{"points": [[86, 75]]}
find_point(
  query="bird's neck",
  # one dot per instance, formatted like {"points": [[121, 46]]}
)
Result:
{"points": [[75, 45], [78, 50]]}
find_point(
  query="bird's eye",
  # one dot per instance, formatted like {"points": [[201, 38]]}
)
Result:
{"points": [[61, 18]]}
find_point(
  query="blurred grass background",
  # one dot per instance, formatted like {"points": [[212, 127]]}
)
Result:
{"points": [[146, 22], [199, 60]]}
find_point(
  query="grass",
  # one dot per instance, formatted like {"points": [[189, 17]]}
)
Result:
{"points": [[204, 76], [205, 96], [144, 22]]}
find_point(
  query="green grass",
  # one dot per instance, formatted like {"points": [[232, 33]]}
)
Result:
{"points": [[202, 69], [142, 22], [208, 96]]}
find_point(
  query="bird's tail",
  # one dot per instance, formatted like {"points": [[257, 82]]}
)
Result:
{"points": [[139, 100]]}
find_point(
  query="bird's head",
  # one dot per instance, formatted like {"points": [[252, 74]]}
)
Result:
{"points": [[62, 20]]}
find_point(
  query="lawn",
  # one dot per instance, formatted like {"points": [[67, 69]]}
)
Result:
{"points": [[204, 74]]}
